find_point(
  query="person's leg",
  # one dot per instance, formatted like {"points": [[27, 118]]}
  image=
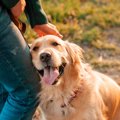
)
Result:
{"points": [[3, 96], [17, 76]]}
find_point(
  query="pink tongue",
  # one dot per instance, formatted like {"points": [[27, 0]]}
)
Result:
{"points": [[50, 75]]}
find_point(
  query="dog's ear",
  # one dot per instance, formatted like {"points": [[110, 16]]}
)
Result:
{"points": [[74, 51]]}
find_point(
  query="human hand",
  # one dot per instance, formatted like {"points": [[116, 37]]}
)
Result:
{"points": [[18, 8], [47, 29]]}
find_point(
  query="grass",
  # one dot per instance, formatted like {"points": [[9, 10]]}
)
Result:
{"points": [[76, 17]]}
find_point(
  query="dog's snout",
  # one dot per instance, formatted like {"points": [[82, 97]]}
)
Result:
{"points": [[45, 57]]}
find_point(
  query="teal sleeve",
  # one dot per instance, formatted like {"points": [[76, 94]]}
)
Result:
{"points": [[35, 13], [9, 3]]}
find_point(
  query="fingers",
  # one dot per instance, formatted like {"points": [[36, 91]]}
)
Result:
{"points": [[53, 26], [40, 33], [54, 31], [47, 29]]}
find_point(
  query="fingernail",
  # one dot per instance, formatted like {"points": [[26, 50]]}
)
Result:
{"points": [[61, 36]]}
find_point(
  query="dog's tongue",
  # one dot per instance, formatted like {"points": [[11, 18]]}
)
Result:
{"points": [[50, 75]]}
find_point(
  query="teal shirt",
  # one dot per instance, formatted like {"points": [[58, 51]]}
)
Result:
{"points": [[33, 10]]}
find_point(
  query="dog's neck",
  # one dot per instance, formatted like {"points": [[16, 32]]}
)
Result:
{"points": [[66, 93]]}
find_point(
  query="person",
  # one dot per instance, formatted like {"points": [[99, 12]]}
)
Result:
{"points": [[19, 80]]}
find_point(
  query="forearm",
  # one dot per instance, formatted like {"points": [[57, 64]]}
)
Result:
{"points": [[35, 13]]}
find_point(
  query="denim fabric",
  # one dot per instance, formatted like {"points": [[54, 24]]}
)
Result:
{"points": [[19, 80]]}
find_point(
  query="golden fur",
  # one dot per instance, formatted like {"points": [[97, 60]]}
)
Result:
{"points": [[80, 93]]}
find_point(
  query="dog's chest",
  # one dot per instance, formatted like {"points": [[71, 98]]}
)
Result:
{"points": [[55, 105]]}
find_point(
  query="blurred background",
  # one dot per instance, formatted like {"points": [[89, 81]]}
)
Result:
{"points": [[92, 24]]}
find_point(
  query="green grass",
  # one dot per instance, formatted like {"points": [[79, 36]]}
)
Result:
{"points": [[73, 17], [87, 15]]}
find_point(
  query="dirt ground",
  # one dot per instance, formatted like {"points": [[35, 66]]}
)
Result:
{"points": [[106, 59]]}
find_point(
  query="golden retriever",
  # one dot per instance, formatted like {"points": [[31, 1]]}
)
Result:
{"points": [[71, 90]]}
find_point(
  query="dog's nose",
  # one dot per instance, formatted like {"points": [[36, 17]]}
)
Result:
{"points": [[45, 57]]}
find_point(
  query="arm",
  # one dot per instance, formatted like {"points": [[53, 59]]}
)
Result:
{"points": [[38, 19], [35, 13], [15, 6]]}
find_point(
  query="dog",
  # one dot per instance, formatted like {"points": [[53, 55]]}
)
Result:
{"points": [[71, 90]]}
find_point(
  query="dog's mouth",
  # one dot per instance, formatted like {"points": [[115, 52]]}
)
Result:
{"points": [[50, 74]]}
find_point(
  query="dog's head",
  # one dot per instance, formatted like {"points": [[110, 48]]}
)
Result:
{"points": [[53, 56]]}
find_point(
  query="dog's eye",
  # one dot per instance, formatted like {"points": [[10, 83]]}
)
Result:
{"points": [[55, 44], [35, 48]]}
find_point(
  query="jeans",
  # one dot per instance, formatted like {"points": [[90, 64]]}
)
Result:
{"points": [[19, 80]]}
